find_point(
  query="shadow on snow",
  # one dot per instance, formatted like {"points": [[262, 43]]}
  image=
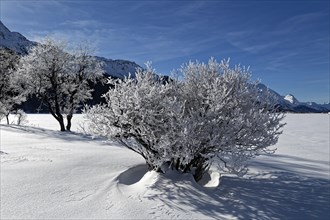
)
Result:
{"points": [[280, 194], [132, 175], [61, 135]]}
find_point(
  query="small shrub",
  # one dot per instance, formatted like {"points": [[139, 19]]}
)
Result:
{"points": [[211, 114]]}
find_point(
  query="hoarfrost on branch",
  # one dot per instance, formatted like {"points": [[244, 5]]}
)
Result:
{"points": [[211, 114]]}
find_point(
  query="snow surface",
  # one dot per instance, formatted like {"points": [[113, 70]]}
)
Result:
{"points": [[47, 174]]}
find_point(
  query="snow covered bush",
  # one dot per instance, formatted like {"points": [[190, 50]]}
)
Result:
{"points": [[58, 78], [21, 117], [10, 95], [211, 114]]}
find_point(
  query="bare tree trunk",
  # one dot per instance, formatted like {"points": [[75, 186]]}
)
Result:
{"points": [[7, 118], [62, 125], [61, 122], [19, 118], [201, 166], [68, 126], [58, 116]]}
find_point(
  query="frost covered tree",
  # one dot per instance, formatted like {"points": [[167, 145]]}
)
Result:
{"points": [[83, 71], [211, 115], [58, 78], [10, 96]]}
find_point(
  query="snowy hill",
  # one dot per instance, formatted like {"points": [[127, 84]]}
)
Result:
{"points": [[14, 40]]}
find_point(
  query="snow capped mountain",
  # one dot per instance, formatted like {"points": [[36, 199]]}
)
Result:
{"points": [[290, 98], [118, 68], [14, 40], [289, 103]]}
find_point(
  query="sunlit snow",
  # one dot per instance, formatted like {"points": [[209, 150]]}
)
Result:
{"points": [[47, 174]]}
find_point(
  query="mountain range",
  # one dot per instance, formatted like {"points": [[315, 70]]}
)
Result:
{"points": [[289, 103], [121, 68]]}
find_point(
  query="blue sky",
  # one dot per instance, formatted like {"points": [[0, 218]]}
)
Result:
{"points": [[285, 42]]}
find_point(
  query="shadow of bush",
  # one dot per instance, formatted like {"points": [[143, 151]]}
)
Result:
{"points": [[277, 195]]}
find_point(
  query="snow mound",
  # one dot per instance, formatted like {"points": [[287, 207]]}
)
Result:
{"points": [[1, 152], [149, 179], [132, 175], [139, 177], [210, 179]]}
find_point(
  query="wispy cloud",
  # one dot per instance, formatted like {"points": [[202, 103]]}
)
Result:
{"points": [[252, 41], [84, 23], [280, 61], [301, 21]]}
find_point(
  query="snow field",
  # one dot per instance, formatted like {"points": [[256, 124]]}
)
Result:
{"points": [[47, 174]]}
